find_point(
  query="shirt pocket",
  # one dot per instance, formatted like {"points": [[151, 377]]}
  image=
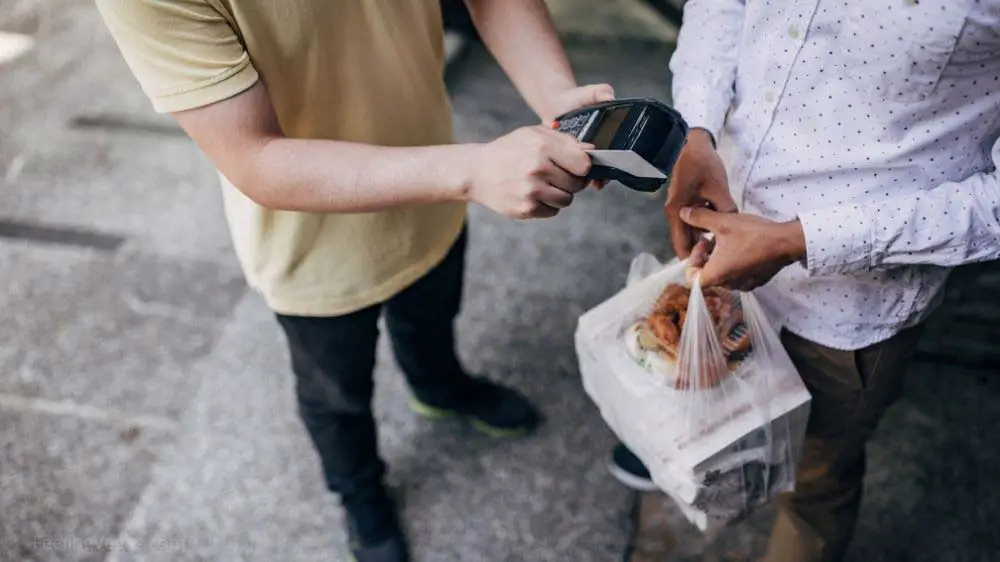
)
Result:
{"points": [[898, 50]]}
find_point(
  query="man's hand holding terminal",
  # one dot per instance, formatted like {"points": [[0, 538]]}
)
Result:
{"points": [[534, 172]]}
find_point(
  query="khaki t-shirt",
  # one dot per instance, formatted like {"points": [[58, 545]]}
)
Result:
{"points": [[367, 71]]}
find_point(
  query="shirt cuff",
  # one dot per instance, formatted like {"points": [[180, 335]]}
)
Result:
{"points": [[839, 240], [702, 107]]}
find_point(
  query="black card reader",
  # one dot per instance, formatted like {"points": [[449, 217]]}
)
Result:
{"points": [[636, 141]]}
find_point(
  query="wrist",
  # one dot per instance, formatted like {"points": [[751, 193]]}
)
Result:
{"points": [[702, 135], [460, 176], [792, 241]]}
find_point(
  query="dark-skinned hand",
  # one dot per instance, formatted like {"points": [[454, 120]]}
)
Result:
{"points": [[698, 180], [746, 250]]}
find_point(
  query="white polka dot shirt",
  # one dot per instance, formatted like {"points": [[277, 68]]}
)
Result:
{"points": [[876, 123]]}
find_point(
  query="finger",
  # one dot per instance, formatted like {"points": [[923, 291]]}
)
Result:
{"points": [[717, 196], [599, 184], [697, 259], [700, 217], [565, 138], [555, 196], [603, 92], [700, 253], [569, 155], [544, 211], [715, 272], [680, 234], [563, 180], [589, 95], [562, 136], [575, 185], [724, 206]]}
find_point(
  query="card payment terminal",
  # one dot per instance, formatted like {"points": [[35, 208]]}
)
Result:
{"points": [[637, 141]]}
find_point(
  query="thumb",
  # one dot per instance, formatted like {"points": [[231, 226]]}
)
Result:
{"points": [[700, 217], [591, 94]]}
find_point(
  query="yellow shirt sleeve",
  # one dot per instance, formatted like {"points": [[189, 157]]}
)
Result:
{"points": [[184, 53]]}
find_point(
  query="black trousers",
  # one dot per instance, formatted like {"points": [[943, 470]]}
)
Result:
{"points": [[333, 359]]}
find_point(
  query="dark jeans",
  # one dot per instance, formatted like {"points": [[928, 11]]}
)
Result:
{"points": [[333, 359]]}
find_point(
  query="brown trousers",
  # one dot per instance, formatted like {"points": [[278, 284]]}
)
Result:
{"points": [[851, 390]]}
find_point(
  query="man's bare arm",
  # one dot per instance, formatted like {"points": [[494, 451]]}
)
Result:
{"points": [[528, 173], [521, 36], [242, 138]]}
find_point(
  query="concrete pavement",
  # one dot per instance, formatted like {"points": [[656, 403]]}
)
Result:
{"points": [[145, 399], [145, 402]]}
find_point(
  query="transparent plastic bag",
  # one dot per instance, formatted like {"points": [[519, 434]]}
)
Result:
{"points": [[642, 267], [720, 436]]}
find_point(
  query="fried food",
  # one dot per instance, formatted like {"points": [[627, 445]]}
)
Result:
{"points": [[655, 342]]}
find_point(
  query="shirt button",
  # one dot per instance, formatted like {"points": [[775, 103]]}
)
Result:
{"points": [[793, 31], [748, 153]]}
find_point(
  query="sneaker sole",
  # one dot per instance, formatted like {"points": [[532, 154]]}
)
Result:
{"points": [[432, 413], [630, 480]]}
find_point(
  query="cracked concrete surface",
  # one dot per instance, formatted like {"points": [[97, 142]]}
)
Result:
{"points": [[146, 408]]}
